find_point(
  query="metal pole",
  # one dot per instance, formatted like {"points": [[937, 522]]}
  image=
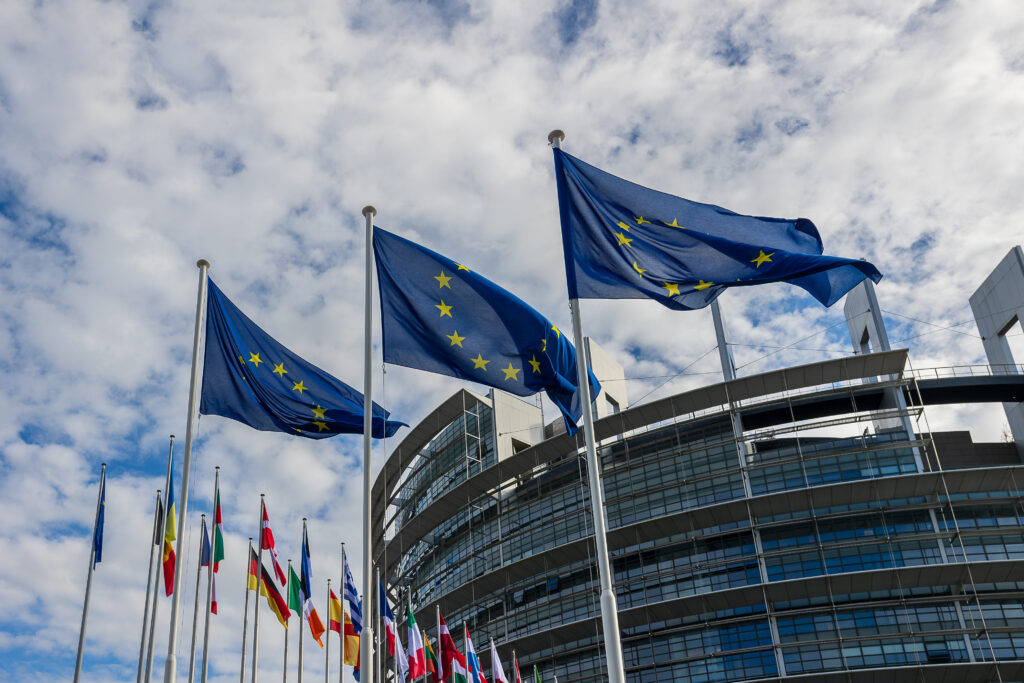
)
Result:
{"points": [[364, 644], [210, 573], [609, 609], [88, 580], [195, 608], [245, 610], [724, 350], [304, 519], [327, 643], [441, 673], [172, 637], [341, 659], [286, 630], [380, 625], [256, 606], [156, 587], [149, 586]]}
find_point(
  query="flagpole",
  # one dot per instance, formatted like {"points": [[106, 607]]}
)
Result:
{"points": [[380, 627], [156, 587], [304, 519], [256, 607], [172, 637], [88, 580], [149, 586], [609, 609], [195, 608], [286, 630], [341, 665], [441, 673], [327, 639], [209, 576], [245, 610], [364, 644]]}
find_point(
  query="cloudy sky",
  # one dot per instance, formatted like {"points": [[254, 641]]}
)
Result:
{"points": [[139, 136]]}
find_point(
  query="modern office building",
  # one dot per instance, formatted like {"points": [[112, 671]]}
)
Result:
{"points": [[804, 522]]}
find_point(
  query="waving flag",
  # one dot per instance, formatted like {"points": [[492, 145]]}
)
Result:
{"points": [[496, 671], [97, 534], [389, 619], [295, 592], [515, 668], [449, 653], [218, 533], [254, 568], [438, 315], [249, 377], [355, 608], [278, 605], [432, 663], [351, 643], [476, 673], [170, 535], [625, 241], [316, 627], [267, 543], [403, 663], [417, 658]]}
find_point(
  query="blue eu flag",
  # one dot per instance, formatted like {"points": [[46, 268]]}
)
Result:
{"points": [[248, 376], [438, 315], [625, 241]]}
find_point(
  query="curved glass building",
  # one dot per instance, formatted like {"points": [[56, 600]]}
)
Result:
{"points": [[804, 522]]}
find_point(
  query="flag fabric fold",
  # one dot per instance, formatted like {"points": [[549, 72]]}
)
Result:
{"points": [[449, 653], [351, 644], [353, 616], [254, 568], [417, 657], [278, 605], [267, 543], [218, 534], [430, 660], [204, 546], [438, 315], [497, 672], [476, 673], [294, 591], [316, 627], [334, 618], [249, 377], [97, 533], [400, 659], [625, 241], [170, 535], [389, 619]]}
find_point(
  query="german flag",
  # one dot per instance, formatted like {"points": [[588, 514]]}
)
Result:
{"points": [[277, 603], [254, 563]]}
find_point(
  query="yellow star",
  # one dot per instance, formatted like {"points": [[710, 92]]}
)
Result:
{"points": [[442, 280], [279, 370], [298, 386], [479, 363], [445, 309], [557, 333], [762, 258], [511, 372], [320, 426], [623, 225], [672, 287], [462, 267], [624, 240], [534, 363], [318, 412], [639, 271], [674, 224], [703, 285], [455, 339], [640, 220], [255, 359], [544, 344]]}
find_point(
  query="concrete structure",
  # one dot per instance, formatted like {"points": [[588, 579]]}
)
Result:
{"points": [[799, 523]]}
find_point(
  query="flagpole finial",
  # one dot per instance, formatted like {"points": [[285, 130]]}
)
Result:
{"points": [[555, 137], [202, 263], [217, 468], [369, 210]]}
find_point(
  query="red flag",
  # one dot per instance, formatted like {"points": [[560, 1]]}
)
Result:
{"points": [[267, 543], [448, 650]]}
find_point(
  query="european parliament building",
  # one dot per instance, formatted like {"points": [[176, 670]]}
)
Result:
{"points": [[801, 523]]}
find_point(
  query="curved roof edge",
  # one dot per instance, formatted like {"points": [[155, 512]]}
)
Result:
{"points": [[743, 388]]}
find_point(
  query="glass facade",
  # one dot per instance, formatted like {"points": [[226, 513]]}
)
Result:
{"points": [[732, 559]]}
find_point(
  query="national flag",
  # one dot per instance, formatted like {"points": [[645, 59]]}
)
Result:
{"points": [[476, 673], [389, 619], [170, 535], [625, 241], [97, 533], [213, 592], [355, 607], [204, 561], [248, 376], [400, 659], [515, 668], [433, 664], [448, 650], [334, 613], [417, 658], [536, 674], [438, 315], [267, 543], [460, 674], [351, 642], [316, 627], [277, 603], [294, 591], [497, 673], [218, 533], [204, 545], [254, 564]]}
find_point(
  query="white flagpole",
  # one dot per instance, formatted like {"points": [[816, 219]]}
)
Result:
{"points": [[304, 519], [149, 586], [88, 580], [156, 587], [256, 604], [286, 627], [170, 668], [195, 608], [609, 608], [441, 673], [380, 624], [327, 639], [209, 576], [341, 659], [245, 610], [364, 643]]}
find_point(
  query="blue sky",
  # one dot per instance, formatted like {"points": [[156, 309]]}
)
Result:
{"points": [[137, 137]]}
